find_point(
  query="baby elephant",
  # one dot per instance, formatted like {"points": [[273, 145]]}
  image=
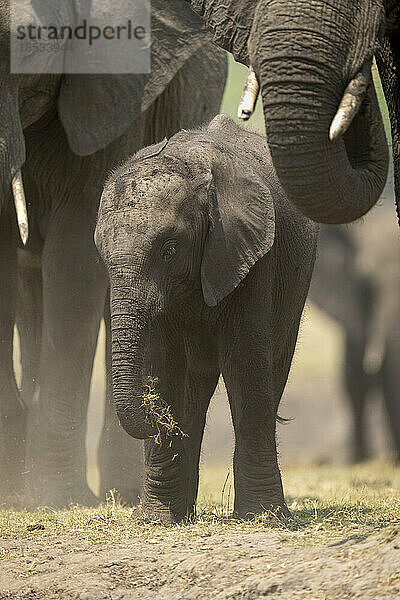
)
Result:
{"points": [[209, 267]]}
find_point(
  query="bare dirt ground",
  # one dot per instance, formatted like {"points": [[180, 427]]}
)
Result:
{"points": [[248, 566]]}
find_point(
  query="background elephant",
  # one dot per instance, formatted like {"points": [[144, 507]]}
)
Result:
{"points": [[306, 56], [356, 281], [209, 268], [67, 132]]}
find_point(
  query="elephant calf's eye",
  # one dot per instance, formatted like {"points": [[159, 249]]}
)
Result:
{"points": [[168, 250]]}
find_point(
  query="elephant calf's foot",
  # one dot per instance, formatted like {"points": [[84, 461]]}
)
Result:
{"points": [[162, 512], [143, 516], [258, 491], [273, 510], [250, 503]]}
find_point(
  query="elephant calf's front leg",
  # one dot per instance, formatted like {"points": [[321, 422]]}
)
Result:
{"points": [[166, 475], [172, 468]]}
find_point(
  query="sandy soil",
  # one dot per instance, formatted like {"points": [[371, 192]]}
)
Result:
{"points": [[219, 567]]}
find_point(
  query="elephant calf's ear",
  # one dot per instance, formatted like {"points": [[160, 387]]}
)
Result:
{"points": [[242, 226]]}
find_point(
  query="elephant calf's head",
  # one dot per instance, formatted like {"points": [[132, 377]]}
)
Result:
{"points": [[151, 225]]}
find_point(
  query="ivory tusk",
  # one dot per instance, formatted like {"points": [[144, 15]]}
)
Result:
{"points": [[350, 103], [249, 97], [20, 206]]}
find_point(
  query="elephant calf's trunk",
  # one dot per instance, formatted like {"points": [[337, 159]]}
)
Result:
{"points": [[128, 336]]}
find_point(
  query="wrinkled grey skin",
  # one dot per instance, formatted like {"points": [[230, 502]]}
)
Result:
{"points": [[365, 302], [209, 268], [48, 125], [305, 54]]}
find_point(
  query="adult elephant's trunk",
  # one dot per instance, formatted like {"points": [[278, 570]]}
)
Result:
{"points": [[304, 61], [129, 323]]}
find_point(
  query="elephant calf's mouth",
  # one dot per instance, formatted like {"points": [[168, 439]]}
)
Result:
{"points": [[159, 414]]}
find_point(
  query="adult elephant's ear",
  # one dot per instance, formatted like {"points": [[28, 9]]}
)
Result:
{"points": [[96, 109], [242, 219], [230, 21]]}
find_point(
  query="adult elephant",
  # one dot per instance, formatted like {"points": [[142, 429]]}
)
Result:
{"points": [[310, 59], [66, 133], [356, 282]]}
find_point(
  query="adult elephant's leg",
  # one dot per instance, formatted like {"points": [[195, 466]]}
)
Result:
{"points": [[74, 290], [12, 408], [357, 382], [29, 319], [358, 324], [120, 455], [390, 369], [391, 386]]}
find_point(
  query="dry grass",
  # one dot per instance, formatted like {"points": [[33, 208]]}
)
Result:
{"points": [[327, 503], [159, 414]]}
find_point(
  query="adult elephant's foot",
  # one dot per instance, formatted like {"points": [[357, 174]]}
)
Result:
{"points": [[126, 494], [356, 458], [56, 499], [359, 451], [358, 454], [12, 483], [120, 466], [12, 456], [46, 487], [56, 464]]}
